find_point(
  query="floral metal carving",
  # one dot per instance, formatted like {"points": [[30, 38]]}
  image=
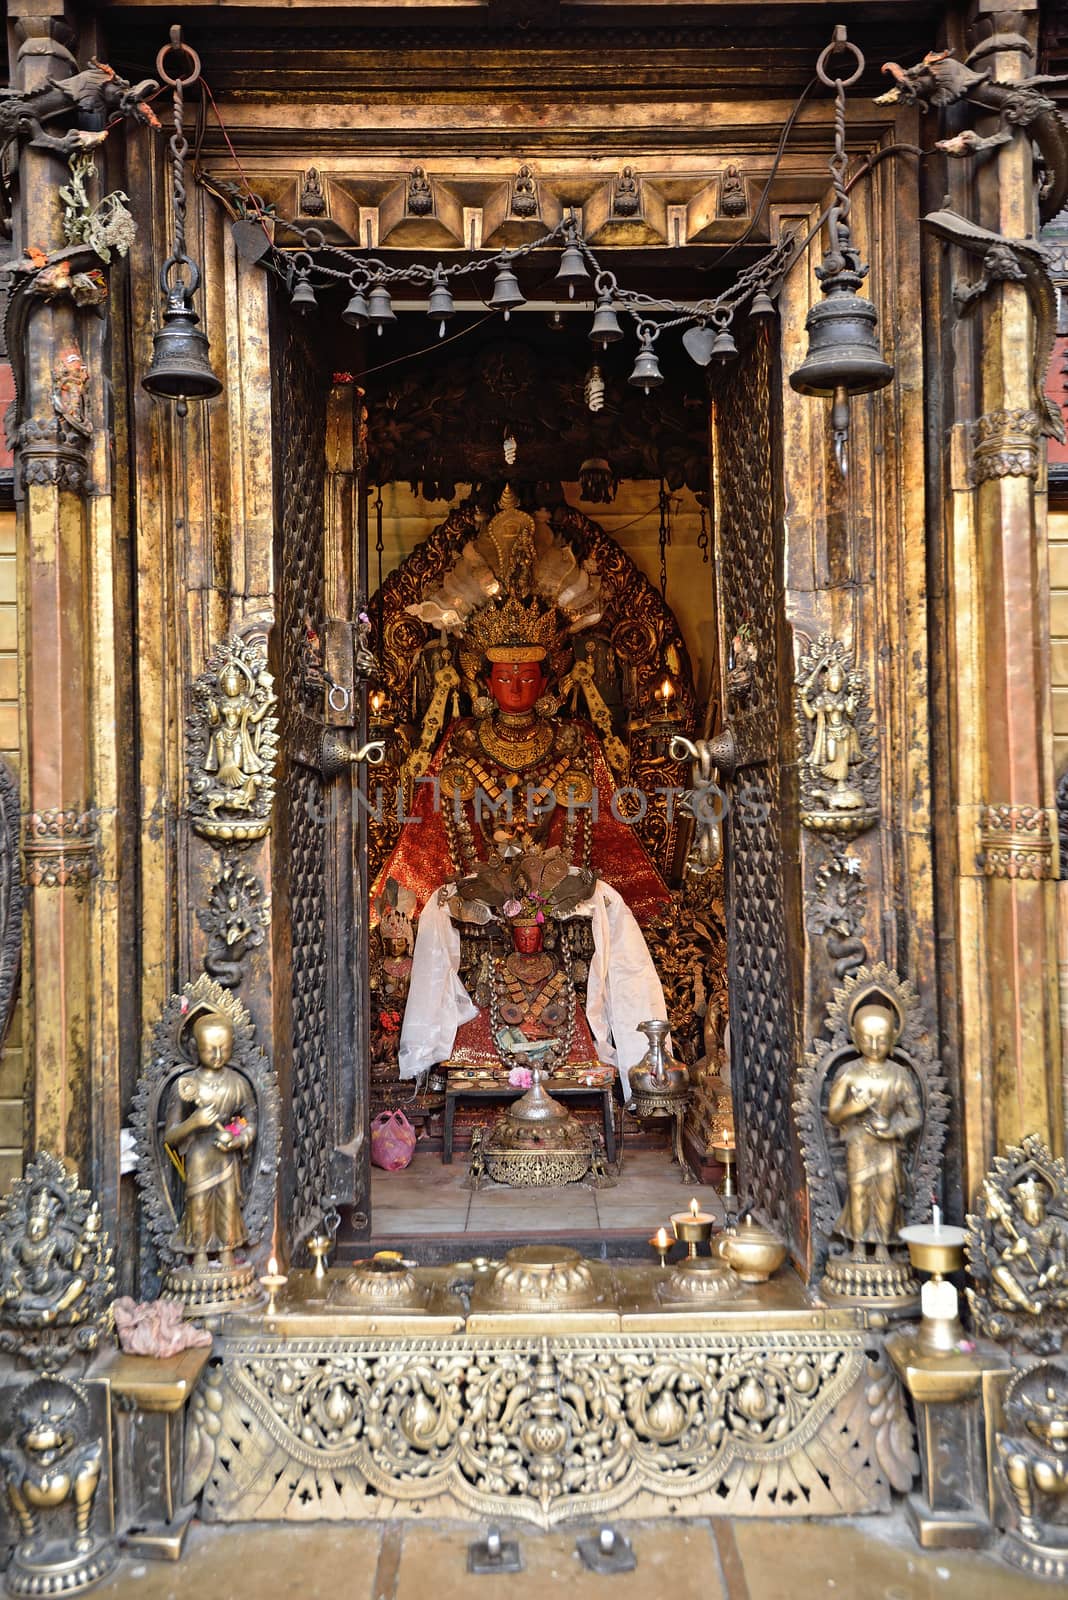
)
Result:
{"points": [[1017, 1249], [1016, 841], [56, 1273], [236, 919], [232, 743], [549, 1429], [838, 769], [822, 1146], [1034, 1469], [60, 847], [173, 1055], [1005, 444], [11, 897], [835, 910]]}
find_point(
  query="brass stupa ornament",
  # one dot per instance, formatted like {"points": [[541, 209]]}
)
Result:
{"points": [[537, 1143]]}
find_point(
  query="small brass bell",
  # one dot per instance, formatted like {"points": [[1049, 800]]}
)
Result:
{"points": [[723, 347], [572, 268], [605, 329], [440, 303], [646, 374], [356, 314], [303, 296], [380, 307], [180, 369], [506, 291], [761, 305]]}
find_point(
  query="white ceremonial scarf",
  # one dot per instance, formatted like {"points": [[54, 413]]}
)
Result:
{"points": [[623, 988]]}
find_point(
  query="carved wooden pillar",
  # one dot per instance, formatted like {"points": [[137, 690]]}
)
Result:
{"points": [[67, 679], [1007, 827]]}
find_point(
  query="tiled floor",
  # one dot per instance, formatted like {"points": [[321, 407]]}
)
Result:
{"points": [[428, 1197], [873, 1559]]}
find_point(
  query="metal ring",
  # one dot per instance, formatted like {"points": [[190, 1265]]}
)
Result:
{"points": [[845, 47], [318, 242], [648, 332], [343, 703], [178, 49], [188, 288]]}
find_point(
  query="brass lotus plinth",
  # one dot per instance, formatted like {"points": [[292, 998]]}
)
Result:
{"points": [[382, 1283], [540, 1277], [703, 1279]]}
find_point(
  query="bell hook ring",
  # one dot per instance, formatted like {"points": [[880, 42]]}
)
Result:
{"points": [[681, 748], [839, 46], [339, 698], [179, 49]]}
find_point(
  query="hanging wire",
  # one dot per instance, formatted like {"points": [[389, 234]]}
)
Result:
{"points": [[664, 535]]}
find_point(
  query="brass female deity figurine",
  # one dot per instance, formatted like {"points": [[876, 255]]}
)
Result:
{"points": [[837, 782], [210, 1124], [875, 1104]]}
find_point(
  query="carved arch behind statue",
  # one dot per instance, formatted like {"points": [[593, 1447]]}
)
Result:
{"points": [[637, 623]]}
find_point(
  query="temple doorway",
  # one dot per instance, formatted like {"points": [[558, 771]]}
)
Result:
{"points": [[506, 505]]}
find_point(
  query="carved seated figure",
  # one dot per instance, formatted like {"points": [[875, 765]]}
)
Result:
{"points": [[44, 1276], [513, 781], [1033, 1449]]}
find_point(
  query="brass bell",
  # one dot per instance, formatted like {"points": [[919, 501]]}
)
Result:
{"points": [[380, 307], [761, 305], [723, 347], [506, 291], [356, 314], [646, 374], [572, 268], [843, 351], [180, 369], [605, 329], [440, 303], [303, 296]]}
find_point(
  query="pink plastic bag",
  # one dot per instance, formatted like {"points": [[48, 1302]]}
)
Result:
{"points": [[392, 1141]]}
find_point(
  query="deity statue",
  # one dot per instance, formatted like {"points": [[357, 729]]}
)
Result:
{"points": [[205, 1118], [210, 1124], [871, 1110], [56, 1276], [1032, 1449], [832, 708], [1018, 1248], [43, 1269], [232, 744], [875, 1104], [517, 778], [233, 754]]}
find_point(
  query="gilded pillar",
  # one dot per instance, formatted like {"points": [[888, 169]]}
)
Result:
{"points": [[67, 673], [1007, 832]]}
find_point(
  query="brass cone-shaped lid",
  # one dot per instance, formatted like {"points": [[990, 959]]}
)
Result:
{"points": [[538, 1106]]}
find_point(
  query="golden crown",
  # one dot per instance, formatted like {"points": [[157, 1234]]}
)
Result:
{"points": [[514, 631]]}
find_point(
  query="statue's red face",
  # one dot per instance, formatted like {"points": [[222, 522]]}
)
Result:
{"points": [[516, 685]]}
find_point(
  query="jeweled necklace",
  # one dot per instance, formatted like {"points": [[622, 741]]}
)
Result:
{"points": [[560, 1050]]}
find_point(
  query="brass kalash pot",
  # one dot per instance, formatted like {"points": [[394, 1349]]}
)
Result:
{"points": [[537, 1143]]}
